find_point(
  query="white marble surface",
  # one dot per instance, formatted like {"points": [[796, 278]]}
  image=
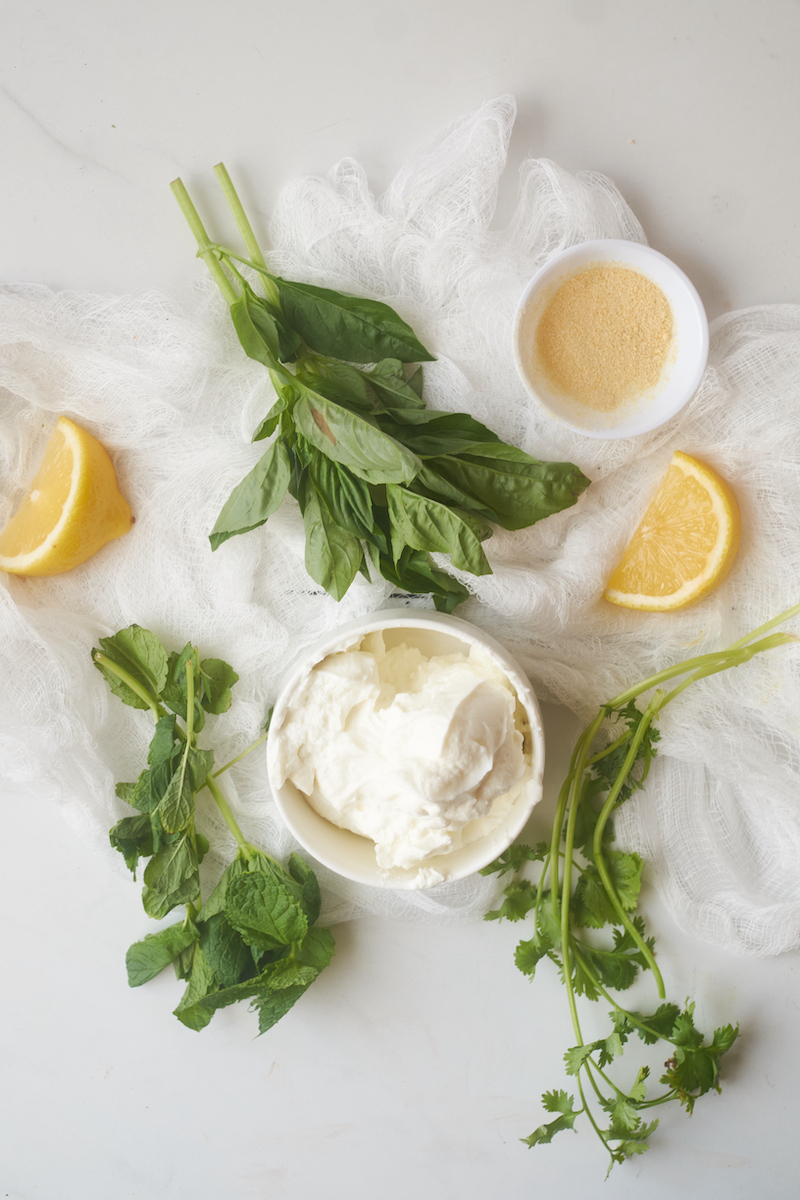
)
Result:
{"points": [[416, 1062]]}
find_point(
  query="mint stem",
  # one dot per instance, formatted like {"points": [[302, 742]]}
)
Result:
{"points": [[108, 664]]}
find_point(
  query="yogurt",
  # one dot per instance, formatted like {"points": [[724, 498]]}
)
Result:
{"points": [[421, 753]]}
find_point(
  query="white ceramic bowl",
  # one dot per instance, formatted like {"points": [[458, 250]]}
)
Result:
{"points": [[353, 856], [685, 364]]}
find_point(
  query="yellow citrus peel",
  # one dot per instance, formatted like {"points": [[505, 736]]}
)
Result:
{"points": [[73, 508], [685, 544]]}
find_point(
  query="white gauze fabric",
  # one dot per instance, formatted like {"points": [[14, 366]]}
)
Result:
{"points": [[164, 384]]}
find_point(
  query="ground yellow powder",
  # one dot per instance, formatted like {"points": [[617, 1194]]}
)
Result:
{"points": [[604, 336]]}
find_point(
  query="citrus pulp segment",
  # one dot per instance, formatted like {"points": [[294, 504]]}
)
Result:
{"points": [[685, 544], [73, 508]]}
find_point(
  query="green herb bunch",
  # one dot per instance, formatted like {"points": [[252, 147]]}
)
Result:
{"points": [[583, 886], [255, 936], [381, 480]]}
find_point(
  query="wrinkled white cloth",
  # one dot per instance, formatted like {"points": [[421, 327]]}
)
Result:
{"points": [[163, 383]]}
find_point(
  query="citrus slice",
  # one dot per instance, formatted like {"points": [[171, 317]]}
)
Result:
{"points": [[685, 544], [73, 508]]}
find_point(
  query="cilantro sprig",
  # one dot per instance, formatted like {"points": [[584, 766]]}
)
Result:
{"points": [[255, 936], [585, 885]]}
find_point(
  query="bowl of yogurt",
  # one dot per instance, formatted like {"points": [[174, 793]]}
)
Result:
{"points": [[406, 749]]}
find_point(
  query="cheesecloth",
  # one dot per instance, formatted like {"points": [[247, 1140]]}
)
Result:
{"points": [[161, 380]]}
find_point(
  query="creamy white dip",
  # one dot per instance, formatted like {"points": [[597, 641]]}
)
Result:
{"points": [[421, 753]]}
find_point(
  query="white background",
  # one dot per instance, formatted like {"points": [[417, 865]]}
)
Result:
{"points": [[416, 1062]]}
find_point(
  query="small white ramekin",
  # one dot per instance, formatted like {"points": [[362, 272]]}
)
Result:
{"points": [[354, 857], [686, 363]]}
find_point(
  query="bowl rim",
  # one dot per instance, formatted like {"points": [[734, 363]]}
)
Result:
{"points": [[466, 860], [634, 254]]}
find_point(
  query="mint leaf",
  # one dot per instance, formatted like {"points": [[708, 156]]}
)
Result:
{"points": [[218, 678], [226, 952], [142, 655], [265, 911], [271, 1006], [310, 897], [190, 1012], [146, 959]]}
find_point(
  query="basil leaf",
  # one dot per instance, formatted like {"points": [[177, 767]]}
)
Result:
{"points": [[141, 654], [347, 497], [430, 433], [354, 442], [508, 486], [256, 328], [394, 390], [256, 498], [347, 327], [333, 555], [286, 398], [341, 383], [415, 573], [426, 524], [148, 958]]}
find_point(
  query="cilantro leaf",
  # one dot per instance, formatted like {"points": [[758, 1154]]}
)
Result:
{"points": [[558, 1102], [520, 899]]}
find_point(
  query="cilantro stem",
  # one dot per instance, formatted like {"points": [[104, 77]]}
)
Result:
{"points": [[108, 664], [653, 707], [204, 243], [569, 843]]}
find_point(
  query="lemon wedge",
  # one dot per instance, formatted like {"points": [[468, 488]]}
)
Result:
{"points": [[685, 544], [73, 508]]}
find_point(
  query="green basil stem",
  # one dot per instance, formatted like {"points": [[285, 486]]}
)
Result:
{"points": [[246, 230], [204, 243], [109, 665]]}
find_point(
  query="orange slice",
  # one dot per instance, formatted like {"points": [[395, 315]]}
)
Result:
{"points": [[73, 508], [685, 544]]}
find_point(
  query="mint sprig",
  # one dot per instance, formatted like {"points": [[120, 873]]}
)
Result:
{"points": [[382, 481], [583, 884], [255, 936]]}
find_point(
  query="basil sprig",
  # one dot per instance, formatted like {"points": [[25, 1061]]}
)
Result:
{"points": [[381, 480], [255, 936]]}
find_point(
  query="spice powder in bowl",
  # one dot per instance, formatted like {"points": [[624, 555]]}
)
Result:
{"points": [[604, 337], [611, 338]]}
